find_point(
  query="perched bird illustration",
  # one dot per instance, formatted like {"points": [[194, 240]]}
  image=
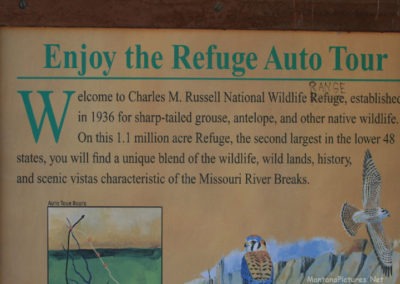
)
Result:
{"points": [[372, 215], [257, 265]]}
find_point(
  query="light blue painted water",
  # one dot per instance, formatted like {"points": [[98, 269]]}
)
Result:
{"points": [[127, 266]]}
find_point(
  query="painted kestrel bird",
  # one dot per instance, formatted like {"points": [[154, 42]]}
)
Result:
{"points": [[257, 265], [371, 215]]}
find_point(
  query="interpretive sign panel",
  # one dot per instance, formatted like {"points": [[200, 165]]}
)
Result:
{"points": [[290, 136]]}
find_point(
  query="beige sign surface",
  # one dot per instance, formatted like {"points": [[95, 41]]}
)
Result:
{"points": [[148, 156]]}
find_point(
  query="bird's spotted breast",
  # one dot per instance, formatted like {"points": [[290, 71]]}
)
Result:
{"points": [[259, 264]]}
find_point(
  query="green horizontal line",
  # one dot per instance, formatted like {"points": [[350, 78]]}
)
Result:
{"points": [[121, 78]]}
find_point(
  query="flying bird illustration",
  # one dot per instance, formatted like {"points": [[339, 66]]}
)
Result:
{"points": [[372, 215], [257, 265]]}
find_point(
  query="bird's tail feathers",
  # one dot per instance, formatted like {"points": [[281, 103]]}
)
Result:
{"points": [[346, 214], [387, 271]]}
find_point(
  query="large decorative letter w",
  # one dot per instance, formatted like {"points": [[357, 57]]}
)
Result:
{"points": [[47, 110]]}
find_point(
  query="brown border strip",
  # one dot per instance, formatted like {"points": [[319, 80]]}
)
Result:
{"points": [[334, 15]]}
